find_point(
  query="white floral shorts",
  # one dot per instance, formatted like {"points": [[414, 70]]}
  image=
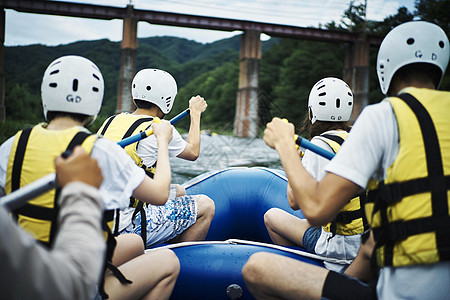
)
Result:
{"points": [[167, 221]]}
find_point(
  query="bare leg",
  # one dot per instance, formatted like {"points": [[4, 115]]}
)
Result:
{"points": [[153, 275], [284, 228], [128, 247], [272, 276], [205, 214]]}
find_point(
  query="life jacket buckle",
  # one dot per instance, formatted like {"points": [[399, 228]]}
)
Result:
{"points": [[391, 193]]}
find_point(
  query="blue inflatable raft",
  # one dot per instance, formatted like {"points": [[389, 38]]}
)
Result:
{"points": [[212, 269]]}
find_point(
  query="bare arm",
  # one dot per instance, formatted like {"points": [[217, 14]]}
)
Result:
{"points": [[197, 105], [290, 197], [290, 193], [156, 191], [360, 267], [319, 201]]}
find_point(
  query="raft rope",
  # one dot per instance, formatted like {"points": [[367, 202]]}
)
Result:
{"points": [[252, 243]]}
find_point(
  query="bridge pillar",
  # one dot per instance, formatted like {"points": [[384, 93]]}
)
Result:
{"points": [[246, 119], [2, 71], [128, 62], [356, 74]]}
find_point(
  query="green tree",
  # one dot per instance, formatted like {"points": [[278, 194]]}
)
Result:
{"points": [[21, 104], [435, 11], [306, 63], [219, 88], [383, 27], [354, 17]]}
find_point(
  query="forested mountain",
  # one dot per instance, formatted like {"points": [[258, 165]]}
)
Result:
{"points": [[287, 70]]}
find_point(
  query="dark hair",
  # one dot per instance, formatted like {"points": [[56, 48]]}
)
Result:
{"points": [[319, 127], [423, 72], [147, 105], [51, 115], [143, 104]]}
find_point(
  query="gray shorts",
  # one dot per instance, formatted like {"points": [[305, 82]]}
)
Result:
{"points": [[310, 238]]}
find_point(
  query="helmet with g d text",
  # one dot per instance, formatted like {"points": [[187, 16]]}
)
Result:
{"points": [[155, 86], [408, 43], [72, 84], [330, 99]]}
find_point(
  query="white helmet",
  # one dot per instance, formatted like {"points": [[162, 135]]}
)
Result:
{"points": [[408, 43], [330, 99], [72, 84], [155, 86]]}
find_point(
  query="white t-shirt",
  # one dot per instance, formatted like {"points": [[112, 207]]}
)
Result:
{"points": [[368, 151], [340, 247], [314, 163], [147, 148], [121, 176]]}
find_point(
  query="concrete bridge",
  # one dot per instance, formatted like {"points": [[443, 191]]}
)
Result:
{"points": [[356, 72]]}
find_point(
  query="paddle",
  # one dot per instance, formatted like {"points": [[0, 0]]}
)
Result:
{"points": [[19, 197], [305, 143]]}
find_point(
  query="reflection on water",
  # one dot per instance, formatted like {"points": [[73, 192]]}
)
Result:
{"points": [[220, 151]]}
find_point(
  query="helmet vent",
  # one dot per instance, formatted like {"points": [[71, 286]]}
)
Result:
{"points": [[322, 103], [441, 44], [95, 89], [55, 63], [75, 85], [53, 84], [322, 94], [338, 103], [410, 41], [148, 88], [54, 72], [349, 103], [322, 86], [96, 77], [350, 94]]}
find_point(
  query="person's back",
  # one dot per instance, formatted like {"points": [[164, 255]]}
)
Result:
{"points": [[330, 106], [413, 238], [409, 208], [72, 93], [183, 218], [71, 269], [407, 164]]}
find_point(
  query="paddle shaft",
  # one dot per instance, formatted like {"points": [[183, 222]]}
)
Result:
{"points": [[304, 143], [19, 197], [137, 137]]}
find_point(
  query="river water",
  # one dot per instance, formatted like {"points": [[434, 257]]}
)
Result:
{"points": [[218, 152]]}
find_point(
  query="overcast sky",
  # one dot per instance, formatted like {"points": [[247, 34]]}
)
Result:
{"points": [[26, 29]]}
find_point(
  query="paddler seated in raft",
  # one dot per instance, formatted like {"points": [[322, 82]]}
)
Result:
{"points": [[330, 106], [70, 270], [72, 94], [399, 150], [182, 218]]}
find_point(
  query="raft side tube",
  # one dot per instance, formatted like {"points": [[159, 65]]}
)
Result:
{"points": [[242, 196]]}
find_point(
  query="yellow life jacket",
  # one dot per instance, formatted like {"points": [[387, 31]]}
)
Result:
{"points": [[351, 218], [32, 156], [122, 126], [409, 211]]}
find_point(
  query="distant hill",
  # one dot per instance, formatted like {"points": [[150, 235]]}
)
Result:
{"points": [[184, 59]]}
